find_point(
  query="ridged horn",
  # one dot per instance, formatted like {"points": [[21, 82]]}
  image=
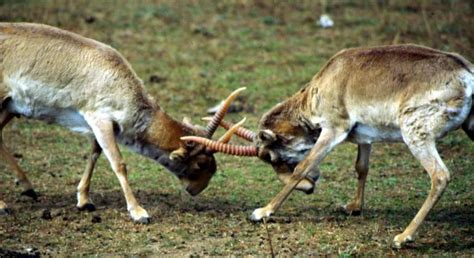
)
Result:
{"points": [[242, 132], [228, 135], [219, 115], [236, 150]]}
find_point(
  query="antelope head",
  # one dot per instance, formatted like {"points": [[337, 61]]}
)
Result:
{"points": [[193, 163], [283, 141]]}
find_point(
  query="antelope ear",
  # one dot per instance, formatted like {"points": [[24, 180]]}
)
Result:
{"points": [[195, 129], [179, 154], [267, 136]]}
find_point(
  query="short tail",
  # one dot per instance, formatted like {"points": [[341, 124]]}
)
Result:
{"points": [[462, 61], [468, 125], [4, 96]]}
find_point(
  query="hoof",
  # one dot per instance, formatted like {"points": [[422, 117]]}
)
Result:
{"points": [[400, 240], [306, 186], [87, 207], [348, 210], [258, 215], [396, 245], [143, 220], [30, 193], [253, 220], [139, 215], [5, 211], [309, 191]]}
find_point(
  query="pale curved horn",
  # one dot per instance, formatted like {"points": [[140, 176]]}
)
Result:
{"points": [[228, 135], [219, 115], [236, 150], [242, 132]]}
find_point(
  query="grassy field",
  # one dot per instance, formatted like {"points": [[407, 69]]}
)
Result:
{"points": [[200, 51]]}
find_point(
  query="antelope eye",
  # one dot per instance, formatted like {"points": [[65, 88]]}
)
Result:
{"points": [[190, 144], [193, 177], [203, 165], [266, 156]]}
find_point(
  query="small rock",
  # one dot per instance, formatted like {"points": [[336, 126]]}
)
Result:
{"points": [[46, 214], [204, 31], [17, 155], [200, 208], [96, 219], [89, 19], [157, 79]]}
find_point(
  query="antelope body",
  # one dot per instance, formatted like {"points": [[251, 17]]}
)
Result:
{"points": [[61, 77], [403, 93], [395, 93]]}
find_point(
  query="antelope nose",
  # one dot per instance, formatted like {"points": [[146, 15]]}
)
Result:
{"points": [[193, 191]]}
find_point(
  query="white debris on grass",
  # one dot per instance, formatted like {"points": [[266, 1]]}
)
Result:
{"points": [[325, 21]]}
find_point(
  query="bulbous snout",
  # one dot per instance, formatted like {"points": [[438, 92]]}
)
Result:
{"points": [[306, 185], [199, 174], [194, 188]]}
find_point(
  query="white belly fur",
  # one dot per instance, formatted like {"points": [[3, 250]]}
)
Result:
{"points": [[365, 134], [69, 118], [38, 100]]}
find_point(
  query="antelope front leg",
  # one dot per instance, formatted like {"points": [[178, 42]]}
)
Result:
{"points": [[327, 140], [21, 178], [440, 176], [104, 133], [84, 202], [362, 168]]}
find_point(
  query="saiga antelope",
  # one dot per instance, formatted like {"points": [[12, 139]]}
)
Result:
{"points": [[403, 93], [84, 85]]}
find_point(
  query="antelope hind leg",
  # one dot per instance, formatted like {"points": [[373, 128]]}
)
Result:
{"points": [[21, 178], [419, 130], [362, 169], [84, 202], [440, 177]]}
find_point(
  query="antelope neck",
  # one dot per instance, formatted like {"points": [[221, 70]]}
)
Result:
{"points": [[158, 140]]}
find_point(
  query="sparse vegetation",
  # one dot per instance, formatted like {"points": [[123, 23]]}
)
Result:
{"points": [[190, 55]]}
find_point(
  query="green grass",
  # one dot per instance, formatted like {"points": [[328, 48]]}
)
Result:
{"points": [[205, 49]]}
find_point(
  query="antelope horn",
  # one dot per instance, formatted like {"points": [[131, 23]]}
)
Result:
{"points": [[242, 132], [228, 135], [219, 115], [236, 150]]}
